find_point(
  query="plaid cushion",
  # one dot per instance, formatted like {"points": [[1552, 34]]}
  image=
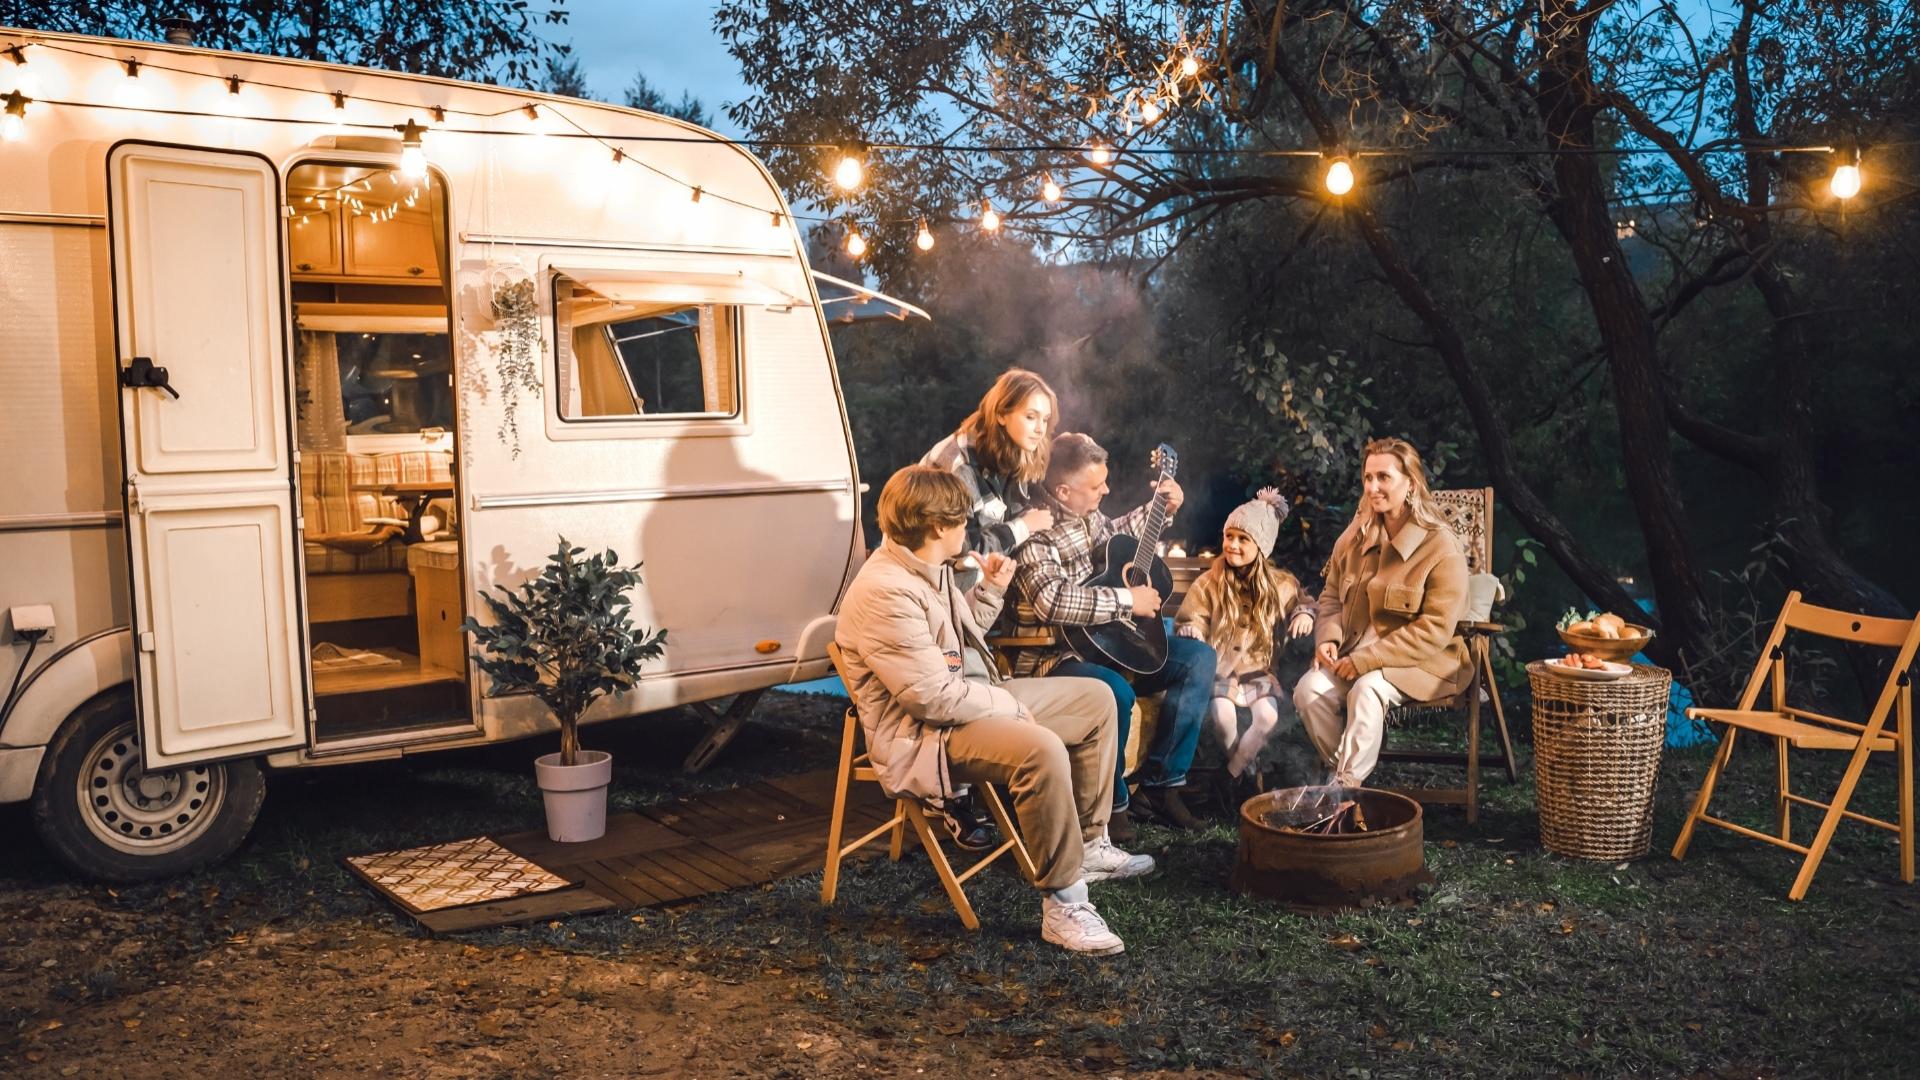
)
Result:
{"points": [[329, 503]]}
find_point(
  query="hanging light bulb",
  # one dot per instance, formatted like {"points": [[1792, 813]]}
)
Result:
{"points": [[413, 152], [849, 172], [1340, 176], [233, 84], [1189, 66], [24, 80], [856, 244], [1100, 154], [990, 220], [696, 193], [1049, 190], [132, 93], [924, 239], [1846, 178], [1149, 111], [13, 123]]}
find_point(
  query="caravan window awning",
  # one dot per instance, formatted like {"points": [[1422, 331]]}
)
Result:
{"points": [[844, 302], [665, 285]]}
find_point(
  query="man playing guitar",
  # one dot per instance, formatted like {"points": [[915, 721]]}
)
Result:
{"points": [[1048, 593]]}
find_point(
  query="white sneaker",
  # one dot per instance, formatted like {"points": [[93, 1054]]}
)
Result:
{"points": [[1077, 928], [1104, 862]]}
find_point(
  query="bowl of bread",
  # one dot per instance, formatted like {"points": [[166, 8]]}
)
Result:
{"points": [[1606, 636]]}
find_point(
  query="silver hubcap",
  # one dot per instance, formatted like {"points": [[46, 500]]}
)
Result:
{"points": [[145, 813]]}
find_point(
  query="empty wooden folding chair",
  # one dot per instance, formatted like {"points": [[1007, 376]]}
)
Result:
{"points": [[1805, 730], [855, 766]]}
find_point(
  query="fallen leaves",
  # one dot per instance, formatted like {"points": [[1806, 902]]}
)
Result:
{"points": [[1346, 942]]}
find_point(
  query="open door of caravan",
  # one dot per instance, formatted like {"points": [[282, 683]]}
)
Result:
{"points": [[199, 316]]}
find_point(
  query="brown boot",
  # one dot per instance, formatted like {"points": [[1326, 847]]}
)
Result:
{"points": [[1120, 828], [1168, 808]]}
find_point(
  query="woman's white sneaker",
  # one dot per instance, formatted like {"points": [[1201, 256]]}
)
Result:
{"points": [[1104, 862], [1077, 928]]}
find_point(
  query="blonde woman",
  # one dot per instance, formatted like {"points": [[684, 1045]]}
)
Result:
{"points": [[1396, 585], [1001, 453]]}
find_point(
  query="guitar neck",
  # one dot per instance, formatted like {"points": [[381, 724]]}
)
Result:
{"points": [[1150, 535]]}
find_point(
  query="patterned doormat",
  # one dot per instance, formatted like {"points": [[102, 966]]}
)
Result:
{"points": [[471, 871]]}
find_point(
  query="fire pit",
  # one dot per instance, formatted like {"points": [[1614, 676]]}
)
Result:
{"points": [[1316, 849]]}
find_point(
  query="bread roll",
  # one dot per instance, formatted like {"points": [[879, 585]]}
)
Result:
{"points": [[1618, 624], [1606, 630], [1581, 627]]}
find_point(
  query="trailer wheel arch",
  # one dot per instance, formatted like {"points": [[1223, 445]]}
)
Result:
{"points": [[101, 814], [68, 680]]}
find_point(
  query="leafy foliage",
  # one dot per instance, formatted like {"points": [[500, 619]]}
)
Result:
{"points": [[456, 39], [642, 94], [567, 636]]}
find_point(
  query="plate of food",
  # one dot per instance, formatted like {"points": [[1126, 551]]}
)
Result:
{"points": [[1587, 666]]}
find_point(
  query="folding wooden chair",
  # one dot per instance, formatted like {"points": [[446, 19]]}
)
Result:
{"points": [[855, 766], [1806, 730], [1470, 512]]}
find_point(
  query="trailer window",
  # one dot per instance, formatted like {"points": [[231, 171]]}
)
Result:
{"points": [[628, 356]]}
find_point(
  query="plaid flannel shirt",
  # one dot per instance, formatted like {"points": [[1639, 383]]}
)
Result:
{"points": [[1047, 589]]}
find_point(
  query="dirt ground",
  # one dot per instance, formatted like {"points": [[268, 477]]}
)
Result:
{"points": [[368, 1001]]}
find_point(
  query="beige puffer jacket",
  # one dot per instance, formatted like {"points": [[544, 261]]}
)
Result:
{"points": [[903, 633]]}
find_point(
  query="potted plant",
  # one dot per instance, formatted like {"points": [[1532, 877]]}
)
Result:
{"points": [[567, 636]]}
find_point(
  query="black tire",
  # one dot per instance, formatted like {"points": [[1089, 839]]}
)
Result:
{"points": [[102, 815]]}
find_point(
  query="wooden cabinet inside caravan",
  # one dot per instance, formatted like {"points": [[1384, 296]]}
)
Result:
{"points": [[330, 246]]}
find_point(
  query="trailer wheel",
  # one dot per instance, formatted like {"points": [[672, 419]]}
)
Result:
{"points": [[103, 815]]}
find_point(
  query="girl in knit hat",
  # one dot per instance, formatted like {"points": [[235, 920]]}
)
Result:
{"points": [[1236, 606]]}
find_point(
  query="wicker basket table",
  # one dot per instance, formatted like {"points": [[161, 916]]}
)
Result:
{"points": [[1596, 749]]}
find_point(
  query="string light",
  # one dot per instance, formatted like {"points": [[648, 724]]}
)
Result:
{"points": [[1100, 154], [849, 172], [1049, 190], [532, 111], [856, 244], [340, 101], [413, 151], [776, 219], [13, 123], [1846, 178], [1189, 66], [132, 93], [696, 193], [1340, 176], [439, 113], [1149, 111], [990, 221], [233, 84], [16, 54], [924, 239]]}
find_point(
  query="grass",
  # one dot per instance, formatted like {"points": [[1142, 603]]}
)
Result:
{"points": [[1518, 963]]}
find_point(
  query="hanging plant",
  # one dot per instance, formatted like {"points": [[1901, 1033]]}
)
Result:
{"points": [[516, 352]]}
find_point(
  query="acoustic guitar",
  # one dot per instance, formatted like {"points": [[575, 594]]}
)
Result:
{"points": [[1136, 643]]}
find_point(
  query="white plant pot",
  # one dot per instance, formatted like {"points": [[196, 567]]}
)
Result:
{"points": [[576, 795]]}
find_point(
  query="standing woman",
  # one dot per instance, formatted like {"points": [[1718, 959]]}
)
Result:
{"points": [[1001, 453], [1396, 585]]}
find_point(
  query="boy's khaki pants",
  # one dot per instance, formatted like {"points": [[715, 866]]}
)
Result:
{"points": [[1058, 769]]}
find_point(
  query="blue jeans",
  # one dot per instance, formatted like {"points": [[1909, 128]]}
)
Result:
{"points": [[1187, 679]]}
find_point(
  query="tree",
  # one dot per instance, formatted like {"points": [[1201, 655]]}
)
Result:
{"points": [[641, 94], [565, 78], [1430, 84], [457, 39]]}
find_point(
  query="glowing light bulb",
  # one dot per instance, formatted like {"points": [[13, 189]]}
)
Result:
{"points": [[1050, 191], [849, 172], [1100, 154], [856, 244], [13, 122], [413, 152], [1189, 67], [131, 93], [1340, 176], [1149, 112], [1846, 181], [990, 221], [924, 241]]}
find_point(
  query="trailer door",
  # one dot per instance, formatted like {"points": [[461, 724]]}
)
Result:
{"points": [[199, 308]]}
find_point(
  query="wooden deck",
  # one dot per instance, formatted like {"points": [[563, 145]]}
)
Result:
{"points": [[691, 847]]}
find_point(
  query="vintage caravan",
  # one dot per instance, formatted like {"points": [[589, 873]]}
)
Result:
{"points": [[296, 358]]}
